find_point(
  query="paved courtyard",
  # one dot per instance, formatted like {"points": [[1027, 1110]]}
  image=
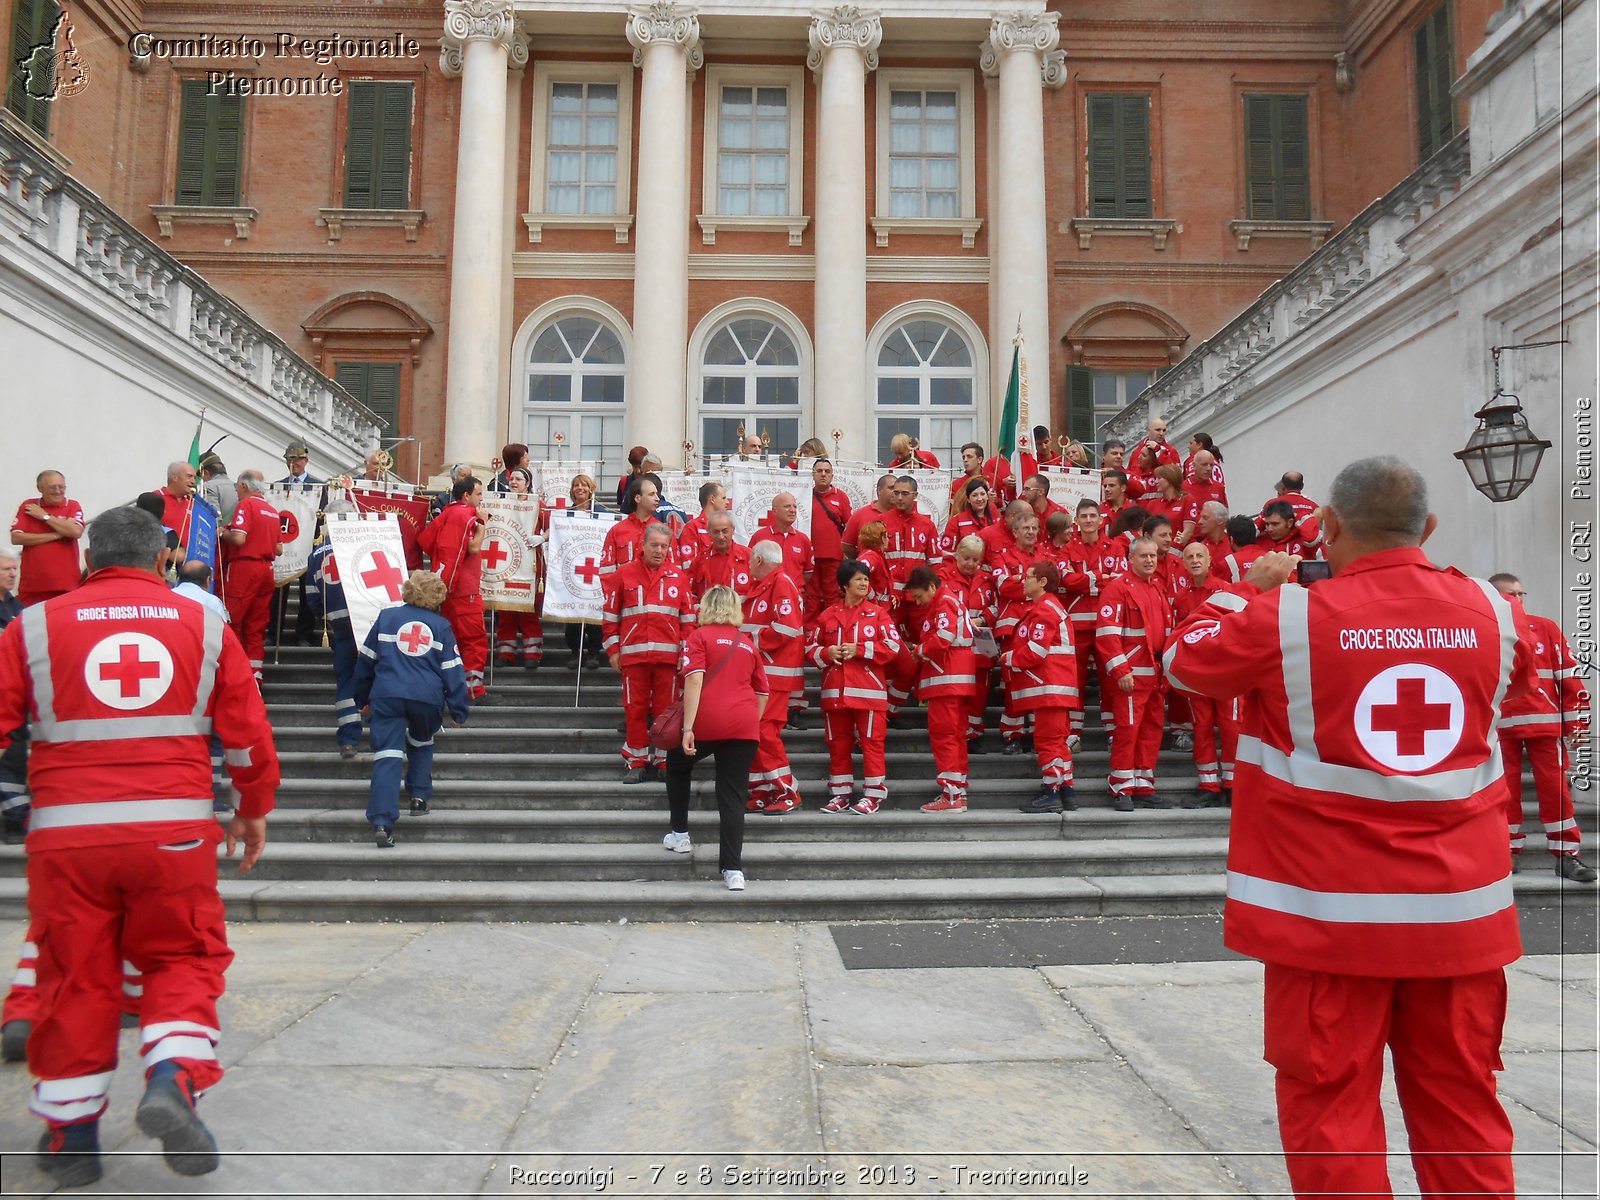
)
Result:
{"points": [[472, 1060]]}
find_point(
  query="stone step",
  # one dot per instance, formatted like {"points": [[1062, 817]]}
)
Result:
{"points": [[556, 827], [704, 898]]}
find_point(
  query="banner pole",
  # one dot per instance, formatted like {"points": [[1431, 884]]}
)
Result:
{"points": [[583, 652]]}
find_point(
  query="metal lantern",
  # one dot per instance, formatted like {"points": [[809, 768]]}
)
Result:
{"points": [[1503, 454]]}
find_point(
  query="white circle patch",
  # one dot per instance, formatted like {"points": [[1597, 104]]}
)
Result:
{"points": [[414, 639], [128, 671], [1410, 717]]}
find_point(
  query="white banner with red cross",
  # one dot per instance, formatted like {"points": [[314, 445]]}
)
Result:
{"points": [[753, 489], [510, 552], [297, 518], [371, 560], [572, 557], [552, 480], [1071, 485]]}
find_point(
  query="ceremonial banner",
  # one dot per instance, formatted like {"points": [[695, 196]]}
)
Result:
{"points": [[202, 545], [509, 555], [859, 481], [370, 557], [933, 492], [297, 517], [1071, 485], [409, 506], [683, 491], [572, 558], [553, 481], [754, 487]]}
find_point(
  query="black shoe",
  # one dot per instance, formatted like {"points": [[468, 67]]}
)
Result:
{"points": [[419, 807], [167, 1112], [1198, 800], [1011, 746], [1027, 742], [347, 751], [1122, 803], [70, 1154], [654, 774], [636, 775], [975, 746], [1227, 797], [1516, 864], [531, 664], [1570, 866], [797, 719], [1047, 801], [1068, 802], [14, 1040], [1155, 801], [384, 838]]}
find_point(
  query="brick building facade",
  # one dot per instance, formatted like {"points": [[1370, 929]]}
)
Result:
{"points": [[661, 223]]}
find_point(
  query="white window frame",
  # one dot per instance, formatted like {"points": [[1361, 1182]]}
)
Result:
{"points": [[964, 84], [795, 221], [732, 310], [545, 74], [948, 314], [555, 310]]}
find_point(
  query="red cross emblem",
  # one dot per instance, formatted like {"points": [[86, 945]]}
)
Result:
{"points": [[588, 571], [128, 671], [415, 639], [330, 569], [1410, 717], [493, 555], [383, 574]]}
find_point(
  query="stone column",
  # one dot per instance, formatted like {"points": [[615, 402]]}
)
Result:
{"points": [[999, 361], [509, 423], [844, 47], [666, 42], [1022, 50], [478, 35]]}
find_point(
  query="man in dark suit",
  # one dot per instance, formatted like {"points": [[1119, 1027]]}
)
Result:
{"points": [[296, 457]]}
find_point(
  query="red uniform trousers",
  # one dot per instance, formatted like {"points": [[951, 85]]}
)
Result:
{"points": [[947, 737], [1050, 727], [1136, 736], [1083, 652], [247, 591], [1179, 714], [465, 614], [647, 690], [1215, 721], [771, 779], [977, 704], [842, 727], [518, 634], [22, 1001], [93, 905], [901, 677], [1548, 758], [822, 589], [1326, 1034]]}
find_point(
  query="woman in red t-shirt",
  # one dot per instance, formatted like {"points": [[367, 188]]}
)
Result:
{"points": [[1172, 502], [724, 691]]}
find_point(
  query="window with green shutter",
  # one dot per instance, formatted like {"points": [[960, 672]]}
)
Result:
{"points": [[1080, 404], [1277, 158], [210, 146], [1436, 69], [377, 152], [30, 83], [375, 384], [1119, 155]]}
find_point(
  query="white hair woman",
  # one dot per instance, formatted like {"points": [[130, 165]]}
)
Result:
{"points": [[724, 693]]}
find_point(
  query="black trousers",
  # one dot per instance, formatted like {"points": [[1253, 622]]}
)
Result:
{"points": [[733, 757]]}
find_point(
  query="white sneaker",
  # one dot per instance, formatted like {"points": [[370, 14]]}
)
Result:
{"points": [[678, 843], [734, 880], [1073, 742]]}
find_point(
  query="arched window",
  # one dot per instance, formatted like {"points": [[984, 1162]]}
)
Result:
{"points": [[927, 386], [577, 382], [750, 379]]}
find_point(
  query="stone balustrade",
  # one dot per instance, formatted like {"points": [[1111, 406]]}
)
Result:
{"points": [[1218, 371], [42, 204]]}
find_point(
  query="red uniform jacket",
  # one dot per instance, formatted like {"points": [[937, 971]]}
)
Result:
{"points": [[912, 541], [967, 524], [647, 613], [798, 560], [1086, 572], [772, 618], [879, 579], [830, 514], [624, 543], [262, 524], [1234, 565], [1560, 704], [1135, 620], [1182, 511], [857, 683], [123, 684], [977, 597], [1369, 829], [1009, 566], [693, 541], [445, 539], [996, 538], [864, 515], [175, 515], [1041, 666], [944, 646], [721, 570]]}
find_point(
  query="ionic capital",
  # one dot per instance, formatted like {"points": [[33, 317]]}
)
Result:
{"points": [[477, 21], [665, 21], [847, 26], [1027, 31]]}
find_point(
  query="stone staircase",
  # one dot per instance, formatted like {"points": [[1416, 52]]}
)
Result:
{"points": [[531, 822]]}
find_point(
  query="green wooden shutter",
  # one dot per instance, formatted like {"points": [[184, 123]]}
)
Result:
{"points": [[377, 385], [1080, 403], [227, 150], [1119, 155], [30, 80], [1435, 53], [378, 146], [210, 146], [1277, 141], [1133, 126], [1104, 153], [192, 143]]}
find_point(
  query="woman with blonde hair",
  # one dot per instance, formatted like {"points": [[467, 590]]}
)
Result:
{"points": [[906, 453], [724, 693], [581, 640]]}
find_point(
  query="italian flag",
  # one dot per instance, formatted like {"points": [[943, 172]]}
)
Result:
{"points": [[1016, 435]]}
